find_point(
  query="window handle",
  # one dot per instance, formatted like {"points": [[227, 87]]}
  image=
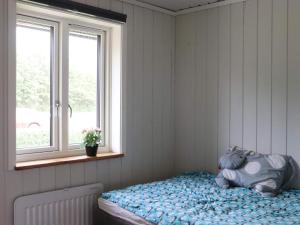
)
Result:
{"points": [[57, 105], [71, 110]]}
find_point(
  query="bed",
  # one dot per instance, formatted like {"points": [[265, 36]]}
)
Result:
{"points": [[194, 198]]}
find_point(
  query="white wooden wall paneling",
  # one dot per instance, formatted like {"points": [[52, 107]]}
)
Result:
{"points": [[189, 100], [179, 67], [91, 2], [293, 125], [165, 94], [167, 90], [102, 173], [2, 116], [156, 122], [264, 76], [211, 125], [117, 6], [147, 140], [250, 75], [90, 172], [47, 179], [167, 106], [128, 159], [2, 78], [224, 80], [158, 164], [200, 90], [236, 98], [138, 95], [173, 50], [184, 92], [104, 4], [62, 176], [77, 173], [2, 198], [279, 76], [262, 58], [194, 92], [114, 170], [168, 112], [31, 181], [190, 97]]}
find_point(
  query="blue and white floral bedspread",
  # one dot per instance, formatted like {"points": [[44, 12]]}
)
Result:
{"points": [[194, 198]]}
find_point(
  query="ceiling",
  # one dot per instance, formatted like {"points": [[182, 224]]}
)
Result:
{"points": [[176, 5]]}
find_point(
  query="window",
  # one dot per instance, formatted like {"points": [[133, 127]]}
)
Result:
{"points": [[66, 81], [36, 124], [85, 79]]}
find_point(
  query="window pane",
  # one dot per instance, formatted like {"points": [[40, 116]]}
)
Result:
{"points": [[33, 86], [83, 84]]}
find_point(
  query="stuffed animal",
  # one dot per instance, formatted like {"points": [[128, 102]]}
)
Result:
{"points": [[267, 174]]}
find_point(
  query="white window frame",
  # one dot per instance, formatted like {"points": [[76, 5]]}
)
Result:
{"points": [[113, 82], [54, 80], [101, 76]]}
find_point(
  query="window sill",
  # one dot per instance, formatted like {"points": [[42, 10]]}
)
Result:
{"points": [[66, 160]]}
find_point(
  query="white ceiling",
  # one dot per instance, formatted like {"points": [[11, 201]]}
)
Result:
{"points": [[176, 5]]}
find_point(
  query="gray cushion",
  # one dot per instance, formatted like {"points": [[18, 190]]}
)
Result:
{"points": [[233, 158], [267, 174]]}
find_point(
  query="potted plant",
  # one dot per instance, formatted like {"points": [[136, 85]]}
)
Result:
{"points": [[92, 138]]}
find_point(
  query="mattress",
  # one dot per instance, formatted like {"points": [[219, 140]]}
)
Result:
{"points": [[118, 212], [194, 198]]}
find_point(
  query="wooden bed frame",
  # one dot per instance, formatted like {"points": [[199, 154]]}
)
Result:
{"points": [[101, 217]]}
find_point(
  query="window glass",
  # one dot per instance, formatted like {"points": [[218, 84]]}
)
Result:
{"points": [[33, 86], [84, 85]]}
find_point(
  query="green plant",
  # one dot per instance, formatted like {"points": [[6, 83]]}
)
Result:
{"points": [[92, 137], [28, 138]]}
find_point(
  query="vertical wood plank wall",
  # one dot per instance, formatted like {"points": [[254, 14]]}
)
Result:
{"points": [[237, 81], [149, 41]]}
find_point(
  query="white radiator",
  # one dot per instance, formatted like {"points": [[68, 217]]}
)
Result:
{"points": [[71, 206]]}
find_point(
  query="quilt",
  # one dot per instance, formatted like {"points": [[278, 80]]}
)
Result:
{"points": [[195, 199]]}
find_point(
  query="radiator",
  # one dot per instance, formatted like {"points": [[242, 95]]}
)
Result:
{"points": [[73, 206]]}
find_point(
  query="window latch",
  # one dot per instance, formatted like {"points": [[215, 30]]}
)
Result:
{"points": [[57, 105]]}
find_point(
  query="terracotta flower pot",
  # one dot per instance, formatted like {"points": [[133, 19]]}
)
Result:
{"points": [[91, 151]]}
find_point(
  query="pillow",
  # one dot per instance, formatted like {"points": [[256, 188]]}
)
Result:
{"points": [[233, 158], [267, 174]]}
